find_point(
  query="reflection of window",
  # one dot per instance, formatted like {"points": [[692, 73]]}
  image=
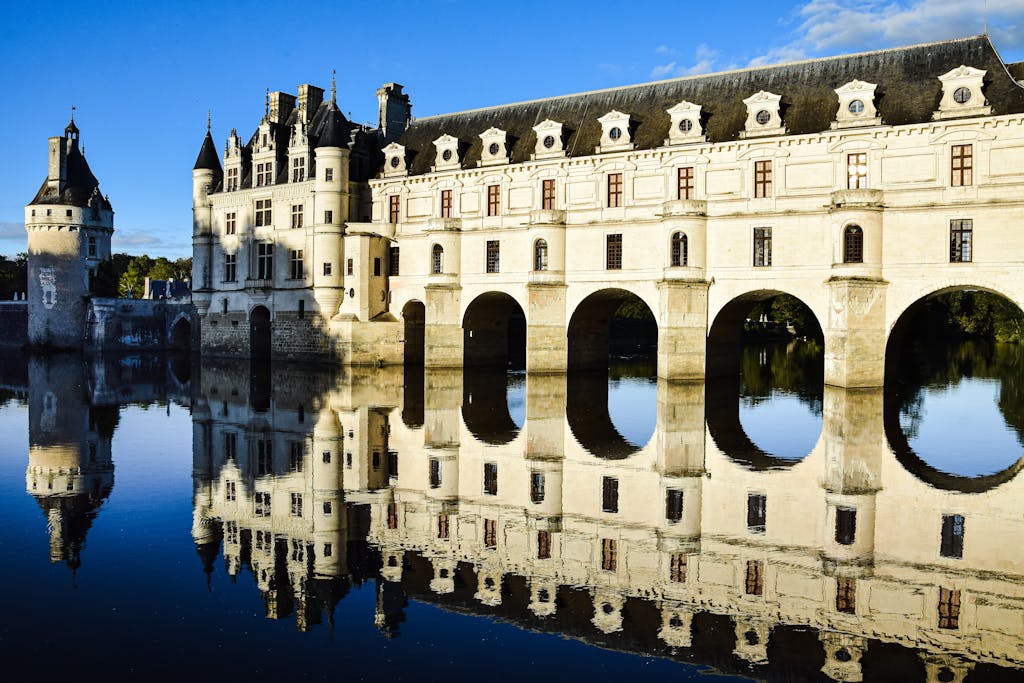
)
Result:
{"points": [[949, 608], [490, 533], [543, 545], [677, 568], [261, 504], [230, 446], [264, 456], [392, 515], [435, 473], [230, 223], [961, 238], [442, 527], [674, 505], [952, 536], [609, 555], [491, 478], [296, 505], [609, 494], [295, 456], [846, 595], [754, 584], [536, 487], [328, 508], [229, 490], [846, 526], [91, 245], [298, 550], [756, 512]]}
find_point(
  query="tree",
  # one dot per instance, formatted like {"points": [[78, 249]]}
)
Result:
{"points": [[133, 281]]}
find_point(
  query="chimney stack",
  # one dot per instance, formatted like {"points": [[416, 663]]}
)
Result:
{"points": [[58, 171], [310, 99], [394, 111], [281, 105]]}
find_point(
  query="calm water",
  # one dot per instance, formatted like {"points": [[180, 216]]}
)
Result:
{"points": [[167, 519]]}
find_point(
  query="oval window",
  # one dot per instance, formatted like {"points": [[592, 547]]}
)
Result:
{"points": [[856, 107], [686, 125], [395, 162], [615, 133], [493, 149], [446, 155], [763, 117], [549, 141], [961, 95]]}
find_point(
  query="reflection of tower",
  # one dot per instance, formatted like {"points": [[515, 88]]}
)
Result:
{"points": [[70, 471]]}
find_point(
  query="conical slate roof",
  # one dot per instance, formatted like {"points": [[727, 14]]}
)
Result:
{"points": [[80, 185], [208, 158], [335, 129]]}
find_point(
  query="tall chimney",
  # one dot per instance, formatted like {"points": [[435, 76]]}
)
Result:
{"points": [[281, 105], [57, 173], [310, 98], [394, 111]]}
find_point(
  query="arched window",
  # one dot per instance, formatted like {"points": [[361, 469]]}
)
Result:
{"points": [[853, 244], [680, 249], [437, 259], [540, 255]]}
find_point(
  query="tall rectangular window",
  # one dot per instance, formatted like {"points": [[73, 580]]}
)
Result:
{"points": [[949, 608], [543, 544], [296, 216], [491, 478], [446, 203], [857, 171], [393, 205], [295, 456], [393, 261], [754, 584], [261, 504], [329, 174], [263, 212], [230, 267], [685, 183], [392, 515], [961, 169], [264, 172], [295, 263], [231, 180], [491, 533], [493, 200], [443, 531], [677, 568], [674, 505], [230, 223], [376, 267], [328, 217], [846, 526], [229, 490], [762, 246], [91, 246], [961, 240], [536, 487], [493, 256], [547, 194], [609, 554], [230, 446], [609, 494], [435, 473], [952, 536], [349, 266], [614, 189], [763, 178], [757, 504], [613, 251], [296, 509], [265, 261], [298, 170], [264, 457], [846, 595]]}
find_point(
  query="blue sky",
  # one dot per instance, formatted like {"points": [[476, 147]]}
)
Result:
{"points": [[142, 75]]}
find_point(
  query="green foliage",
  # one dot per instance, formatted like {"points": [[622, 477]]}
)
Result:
{"points": [[784, 309], [970, 314], [13, 276], [105, 282], [132, 272], [133, 280], [634, 309]]}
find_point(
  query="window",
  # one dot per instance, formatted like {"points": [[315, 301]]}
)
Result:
{"points": [[264, 540], [762, 246], [295, 262], [261, 504], [490, 533], [393, 205], [231, 532], [229, 490], [442, 527], [493, 200], [327, 268], [230, 267], [853, 244], [393, 261], [296, 216], [230, 446], [329, 174], [230, 223], [609, 494], [952, 536], [543, 545], [326, 457], [263, 212], [437, 259], [609, 554], [264, 171], [755, 577], [614, 189], [298, 170], [393, 463], [264, 261], [857, 171], [328, 508], [298, 550], [493, 256], [547, 195], [295, 456], [962, 165], [762, 178], [91, 246], [685, 183], [328, 549], [349, 266], [540, 255], [491, 478], [296, 505], [446, 203], [231, 182], [680, 249], [536, 487], [435, 473], [328, 217], [674, 505], [846, 526], [949, 608], [756, 512], [376, 266], [613, 251], [961, 233], [846, 595], [264, 457], [677, 568], [392, 515]]}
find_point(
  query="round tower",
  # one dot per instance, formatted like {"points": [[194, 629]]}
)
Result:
{"points": [[206, 177], [69, 225], [330, 209]]}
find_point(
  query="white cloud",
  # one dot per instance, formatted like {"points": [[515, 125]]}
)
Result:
{"points": [[704, 61]]}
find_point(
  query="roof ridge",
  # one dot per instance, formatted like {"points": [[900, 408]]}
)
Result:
{"points": [[679, 79]]}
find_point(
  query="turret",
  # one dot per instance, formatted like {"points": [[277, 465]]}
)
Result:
{"points": [[206, 176], [331, 208]]}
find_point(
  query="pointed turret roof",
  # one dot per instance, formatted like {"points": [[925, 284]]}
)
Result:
{"points": [[208, 157], [79, 185], [335, 130]]}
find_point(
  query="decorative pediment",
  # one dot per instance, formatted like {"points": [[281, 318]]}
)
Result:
{"points": [[686, 126], [550, 141], [394, 160], [299, 136], [856, 105], [962, 94], [495, 147], [264, 142], [233, 148], [447, 156], [764, 116], [615, 132]]}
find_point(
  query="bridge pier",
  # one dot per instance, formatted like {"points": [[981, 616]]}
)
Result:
{"points": [[547, 346], [855, 333], [682, 329], [443, 331]]}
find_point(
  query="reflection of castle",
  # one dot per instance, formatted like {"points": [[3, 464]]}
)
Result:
{"points": [[677, 548]]}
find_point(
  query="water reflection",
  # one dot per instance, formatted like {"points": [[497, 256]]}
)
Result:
{"points": [[522, 500]]}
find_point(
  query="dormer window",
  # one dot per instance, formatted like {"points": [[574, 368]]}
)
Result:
{"points": [[394, 165], [298, 170], [962, 94], [685, 126], [495, 147], [550, 143], [616, 133], [856, 106], [447, 147], [231, 179], [763, 115]]}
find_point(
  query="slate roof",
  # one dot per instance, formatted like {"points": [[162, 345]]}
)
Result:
{"points": [[81, 185], [908, 92], [208, 157]]}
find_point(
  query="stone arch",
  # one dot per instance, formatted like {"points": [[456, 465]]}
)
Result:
{"points": [[590, 327], [259, 332], [485, 409], [494, 332], [179, 337]]}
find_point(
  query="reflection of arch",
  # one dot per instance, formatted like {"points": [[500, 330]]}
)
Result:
{"points": [[414, 315], [680, 249], [540, 255], [494, 332], [853, 244], [590, 329], [586, 410], [485, 405], [259, 332], [180, 337], [722, 412], [725, 337]]}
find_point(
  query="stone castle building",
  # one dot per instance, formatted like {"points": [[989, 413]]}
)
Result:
{"points": [[857, 184]]}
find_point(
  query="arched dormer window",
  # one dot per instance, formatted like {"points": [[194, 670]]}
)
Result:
{"points": [[853, 244], [540, 255], [680, 249], [437, 259]]}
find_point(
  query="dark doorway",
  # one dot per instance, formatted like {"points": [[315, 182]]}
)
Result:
{"points": [[494, 332], [414, 316], [181, 335], [259, 332]]}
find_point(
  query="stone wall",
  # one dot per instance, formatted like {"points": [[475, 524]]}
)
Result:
{"points": [[225, 334], [13, 323], [133, 324], [300, 338]]}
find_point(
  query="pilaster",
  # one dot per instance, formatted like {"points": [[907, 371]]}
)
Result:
{"points": [[443, 331], [855, 334], [547, 347]]}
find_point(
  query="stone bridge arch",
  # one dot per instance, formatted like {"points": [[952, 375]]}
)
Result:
{"points": [[589, 329], [494, 331]]}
